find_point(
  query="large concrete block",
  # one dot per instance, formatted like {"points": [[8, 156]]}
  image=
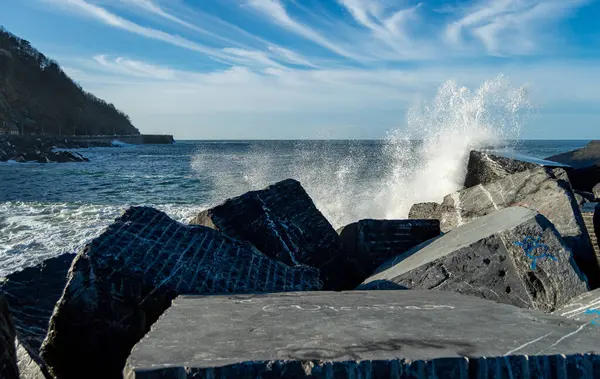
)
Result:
{"points": [[584, 308], [361, 334], [283, 223], [513, 255], [369, 243], [543, 189], [122, 281], [8, 354], [32, 294], [486, 167]]}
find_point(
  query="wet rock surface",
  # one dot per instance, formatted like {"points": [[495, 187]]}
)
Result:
{"points": [[283, 223], [513, 255], [486, 167], [8, 355], [123, 280], [369, 243], [543, 189], [39, 150], [418, 334]]}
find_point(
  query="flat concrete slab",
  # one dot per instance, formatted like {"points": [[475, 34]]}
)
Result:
{"points": [[376, 334], [584, 308], [513, 255]]}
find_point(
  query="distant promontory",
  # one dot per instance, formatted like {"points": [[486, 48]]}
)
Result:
{"points": [[38, 98]]}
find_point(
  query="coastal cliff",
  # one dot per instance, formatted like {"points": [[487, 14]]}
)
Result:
{"points": [[37, 97]]}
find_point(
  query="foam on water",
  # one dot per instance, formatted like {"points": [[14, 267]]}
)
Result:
{"points": [[33, 232]]}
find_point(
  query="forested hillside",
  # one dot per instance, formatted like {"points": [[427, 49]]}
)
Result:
{"points": [[37, 97]]}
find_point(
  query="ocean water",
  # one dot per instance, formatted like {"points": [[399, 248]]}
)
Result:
{"points": [[49, 209]]}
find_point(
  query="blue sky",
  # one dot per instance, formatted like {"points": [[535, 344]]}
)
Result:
{"points": [[241, 69]]}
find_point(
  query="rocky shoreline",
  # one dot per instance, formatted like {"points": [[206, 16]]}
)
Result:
{"points": [[500, 280]]}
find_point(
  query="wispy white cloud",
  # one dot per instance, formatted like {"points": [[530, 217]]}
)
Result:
{"points": [[506, 27], [277, 13]]}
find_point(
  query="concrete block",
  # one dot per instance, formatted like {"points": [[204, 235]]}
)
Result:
{"points": [[283, 223], [513, 255], [123, 280], [361, 334]]}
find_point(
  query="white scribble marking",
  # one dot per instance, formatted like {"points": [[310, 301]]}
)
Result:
{"points": [[526, 344], [569, 335]]}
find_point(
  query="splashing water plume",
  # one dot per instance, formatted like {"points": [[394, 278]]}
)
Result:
{"points": [[423, 162]]}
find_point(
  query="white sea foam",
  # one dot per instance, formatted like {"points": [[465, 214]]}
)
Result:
{"points": [[33, 232]]}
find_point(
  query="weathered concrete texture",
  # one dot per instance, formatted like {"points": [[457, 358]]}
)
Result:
{"points": [[591, 220], [378, 334], [580, 158], [283, 222], [8, 355], [543, 189], [513, 255], [122, 281], [584, 308], [485, 167], [369, 243], [32, 294]]}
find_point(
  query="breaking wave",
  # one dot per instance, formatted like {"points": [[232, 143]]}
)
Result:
{"points": [[424, 161]]}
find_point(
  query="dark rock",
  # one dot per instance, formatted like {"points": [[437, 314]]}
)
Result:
{"points": [[484, 168], [591, 220], [122, 281], [513, 256], [596, 192], [369, 243], [543, 189], [8, 354], [20, 159], [584, 179], [283, 223], [585, 157], [32, 294], [583, 197], [370, 334], [584, 308]]}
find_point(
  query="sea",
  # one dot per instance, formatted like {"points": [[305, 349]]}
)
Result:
{"points": [[54, 208]]}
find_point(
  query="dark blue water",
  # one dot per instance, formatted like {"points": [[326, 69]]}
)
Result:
{"points": [[46, 209]]}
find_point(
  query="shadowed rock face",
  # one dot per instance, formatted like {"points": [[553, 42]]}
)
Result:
{"points": [[484, 168], [369, 243], [283, 223], [513, 255], [32, 294], [586, 164], [543, 189], [8, 355], [122, 281], [361, 334]]}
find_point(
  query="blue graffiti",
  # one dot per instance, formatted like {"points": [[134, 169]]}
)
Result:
{"points": [[531, 245], [595, 321]]}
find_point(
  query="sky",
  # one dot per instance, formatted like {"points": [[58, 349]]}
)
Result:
{"points": [[317, 69]]}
